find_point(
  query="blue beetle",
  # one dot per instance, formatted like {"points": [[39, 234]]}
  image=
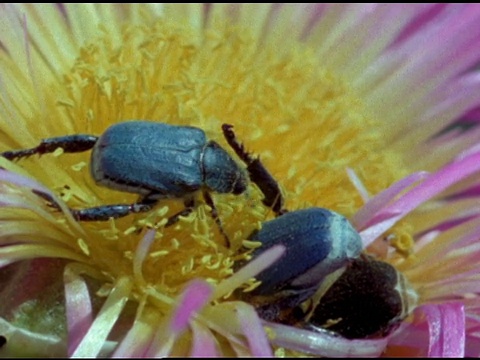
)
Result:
{"points": [[317, 241], [158, 161]]}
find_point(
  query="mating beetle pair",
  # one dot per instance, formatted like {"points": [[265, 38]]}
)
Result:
{"points": [[159, 161], [306, 287]]}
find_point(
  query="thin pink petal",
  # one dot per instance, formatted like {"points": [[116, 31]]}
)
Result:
{"points": [[436, 183], [253, 331], [96, 337], [432, 186], [357, 183], [382, 224], [376, 204], [141, 252], [470, 192], [449, 224], [251, 269], [136, 342], [194, 298], [472, 347], [446, 324], [204, 344], [78, 308], [472, 115], [423, 18], [19, 180], [324, 343]]}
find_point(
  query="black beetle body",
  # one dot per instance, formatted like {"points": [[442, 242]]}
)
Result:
{"points": [[370, 299], [317, 241]]}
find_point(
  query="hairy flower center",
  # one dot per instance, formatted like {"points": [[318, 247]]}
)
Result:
{"points": [[303, 120]]}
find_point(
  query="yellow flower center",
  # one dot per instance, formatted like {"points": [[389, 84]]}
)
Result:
{"points": [[303, 120]]}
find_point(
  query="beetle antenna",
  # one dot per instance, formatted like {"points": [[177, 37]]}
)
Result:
{"points": [[258, 172]]}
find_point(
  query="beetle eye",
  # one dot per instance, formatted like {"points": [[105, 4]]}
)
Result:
{"points": [[240, 186]]}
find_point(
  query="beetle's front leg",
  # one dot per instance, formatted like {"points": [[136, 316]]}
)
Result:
{"points": [[69, 144], [189, 207], [257, 172], [104, 212], [209, 201]]}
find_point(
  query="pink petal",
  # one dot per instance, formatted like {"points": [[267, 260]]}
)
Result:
{"points": [[323, 343], [136, 342], [470, 192], [96, 336], [449, 224], [423, 18], [472, 347], [251, 269], [19, 180], [141, 252], [78, 308], [194, 298], [204, 344], [253, 331], [436, 183], [432, 186], [472, 115], [375, 205], [357, 183], [446, 323]]}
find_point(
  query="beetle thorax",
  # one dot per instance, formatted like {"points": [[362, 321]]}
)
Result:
{"points": [[220, 172]]}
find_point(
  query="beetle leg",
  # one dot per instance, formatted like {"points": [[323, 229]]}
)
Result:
{"points": [[69, 144], [258, 173], [104, 212], [209, 201], [189, 207]]}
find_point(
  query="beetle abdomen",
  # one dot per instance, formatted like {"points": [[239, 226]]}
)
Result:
{"points": [[144, 157], [370, 299]]}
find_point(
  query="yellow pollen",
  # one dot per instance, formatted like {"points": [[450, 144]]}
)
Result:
{"points": [[83, 246], [399, 237], [57, 152], [79, 166]]}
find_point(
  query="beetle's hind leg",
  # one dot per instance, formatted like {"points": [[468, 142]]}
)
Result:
{"points": [[103, 212], [257, 172], [69, 144]]}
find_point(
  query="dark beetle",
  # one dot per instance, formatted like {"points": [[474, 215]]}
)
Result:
{"points": [[370, 299], [317, 241], [158, 161]]}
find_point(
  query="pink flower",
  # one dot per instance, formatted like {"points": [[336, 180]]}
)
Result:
{"points": [[368, 110]]}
